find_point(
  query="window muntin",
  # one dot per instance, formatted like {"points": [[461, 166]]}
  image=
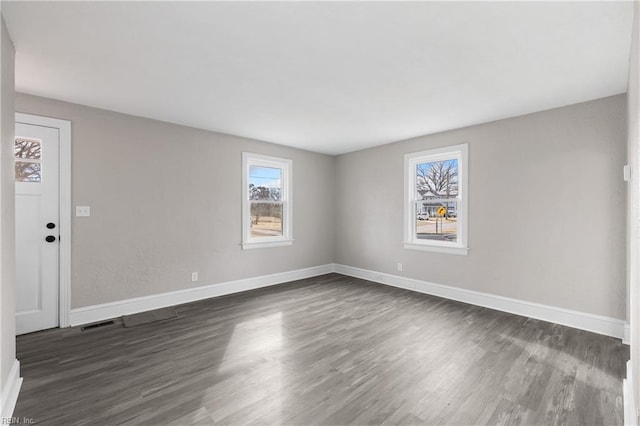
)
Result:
{"points": [[435, 200], [266, 201]]}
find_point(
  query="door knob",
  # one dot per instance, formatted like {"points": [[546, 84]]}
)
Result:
{"points": [[50, 238], [51, 225]]}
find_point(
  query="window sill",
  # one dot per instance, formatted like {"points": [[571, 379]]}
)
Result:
{"points": [[459, 250], [266, 244]]}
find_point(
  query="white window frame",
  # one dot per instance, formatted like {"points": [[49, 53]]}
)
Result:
{"points": [[411, 160], [286, 239]]}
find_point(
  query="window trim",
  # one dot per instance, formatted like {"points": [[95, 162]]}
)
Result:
{"points": [[411, 160], [286, 239]]}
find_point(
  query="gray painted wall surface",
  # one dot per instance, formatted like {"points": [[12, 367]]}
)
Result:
{"points": [[7, 203], [166, 200], [547, 209]]}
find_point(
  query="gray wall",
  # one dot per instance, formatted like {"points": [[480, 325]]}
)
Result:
{"points": [[547, 209], [7, 197], [633, 241], [166, 200]]}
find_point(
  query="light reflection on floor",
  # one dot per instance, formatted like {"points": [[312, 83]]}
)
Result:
{"points": [[255, 352]]}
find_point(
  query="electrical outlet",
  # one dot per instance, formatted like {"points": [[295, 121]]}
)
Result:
{"points": [[399, 267], [194, 276]]}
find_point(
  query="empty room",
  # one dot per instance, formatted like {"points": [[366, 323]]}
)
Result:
{"points": [[319, 213]]}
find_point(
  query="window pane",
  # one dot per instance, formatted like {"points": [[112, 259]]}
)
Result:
{"points": [[437, 179], [27, 172], [266, 219], [437, 205], [265, 183], [437, 220], [27, 148]]}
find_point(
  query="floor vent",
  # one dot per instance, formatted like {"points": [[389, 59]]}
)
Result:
{"points": [[97, 325]]}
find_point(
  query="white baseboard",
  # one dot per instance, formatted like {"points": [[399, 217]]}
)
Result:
{"points": [[628, 400], [89, 314], [10, 391], [581, 320]]}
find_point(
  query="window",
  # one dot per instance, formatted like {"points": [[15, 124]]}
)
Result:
{"points": [[266, 198], [27, 154], [436, 200]]}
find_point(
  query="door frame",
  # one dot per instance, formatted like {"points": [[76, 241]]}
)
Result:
{"points": [[64, 206]]}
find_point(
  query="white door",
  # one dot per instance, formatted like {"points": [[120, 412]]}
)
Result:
{"points": [[37, 227]]}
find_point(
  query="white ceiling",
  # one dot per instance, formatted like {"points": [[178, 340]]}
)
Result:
{"points": [[329, 77]]}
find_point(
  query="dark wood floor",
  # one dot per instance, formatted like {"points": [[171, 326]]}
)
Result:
{"points": [[326, 350]]}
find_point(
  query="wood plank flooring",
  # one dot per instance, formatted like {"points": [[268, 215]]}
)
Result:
{"points": [[326, 350]]}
